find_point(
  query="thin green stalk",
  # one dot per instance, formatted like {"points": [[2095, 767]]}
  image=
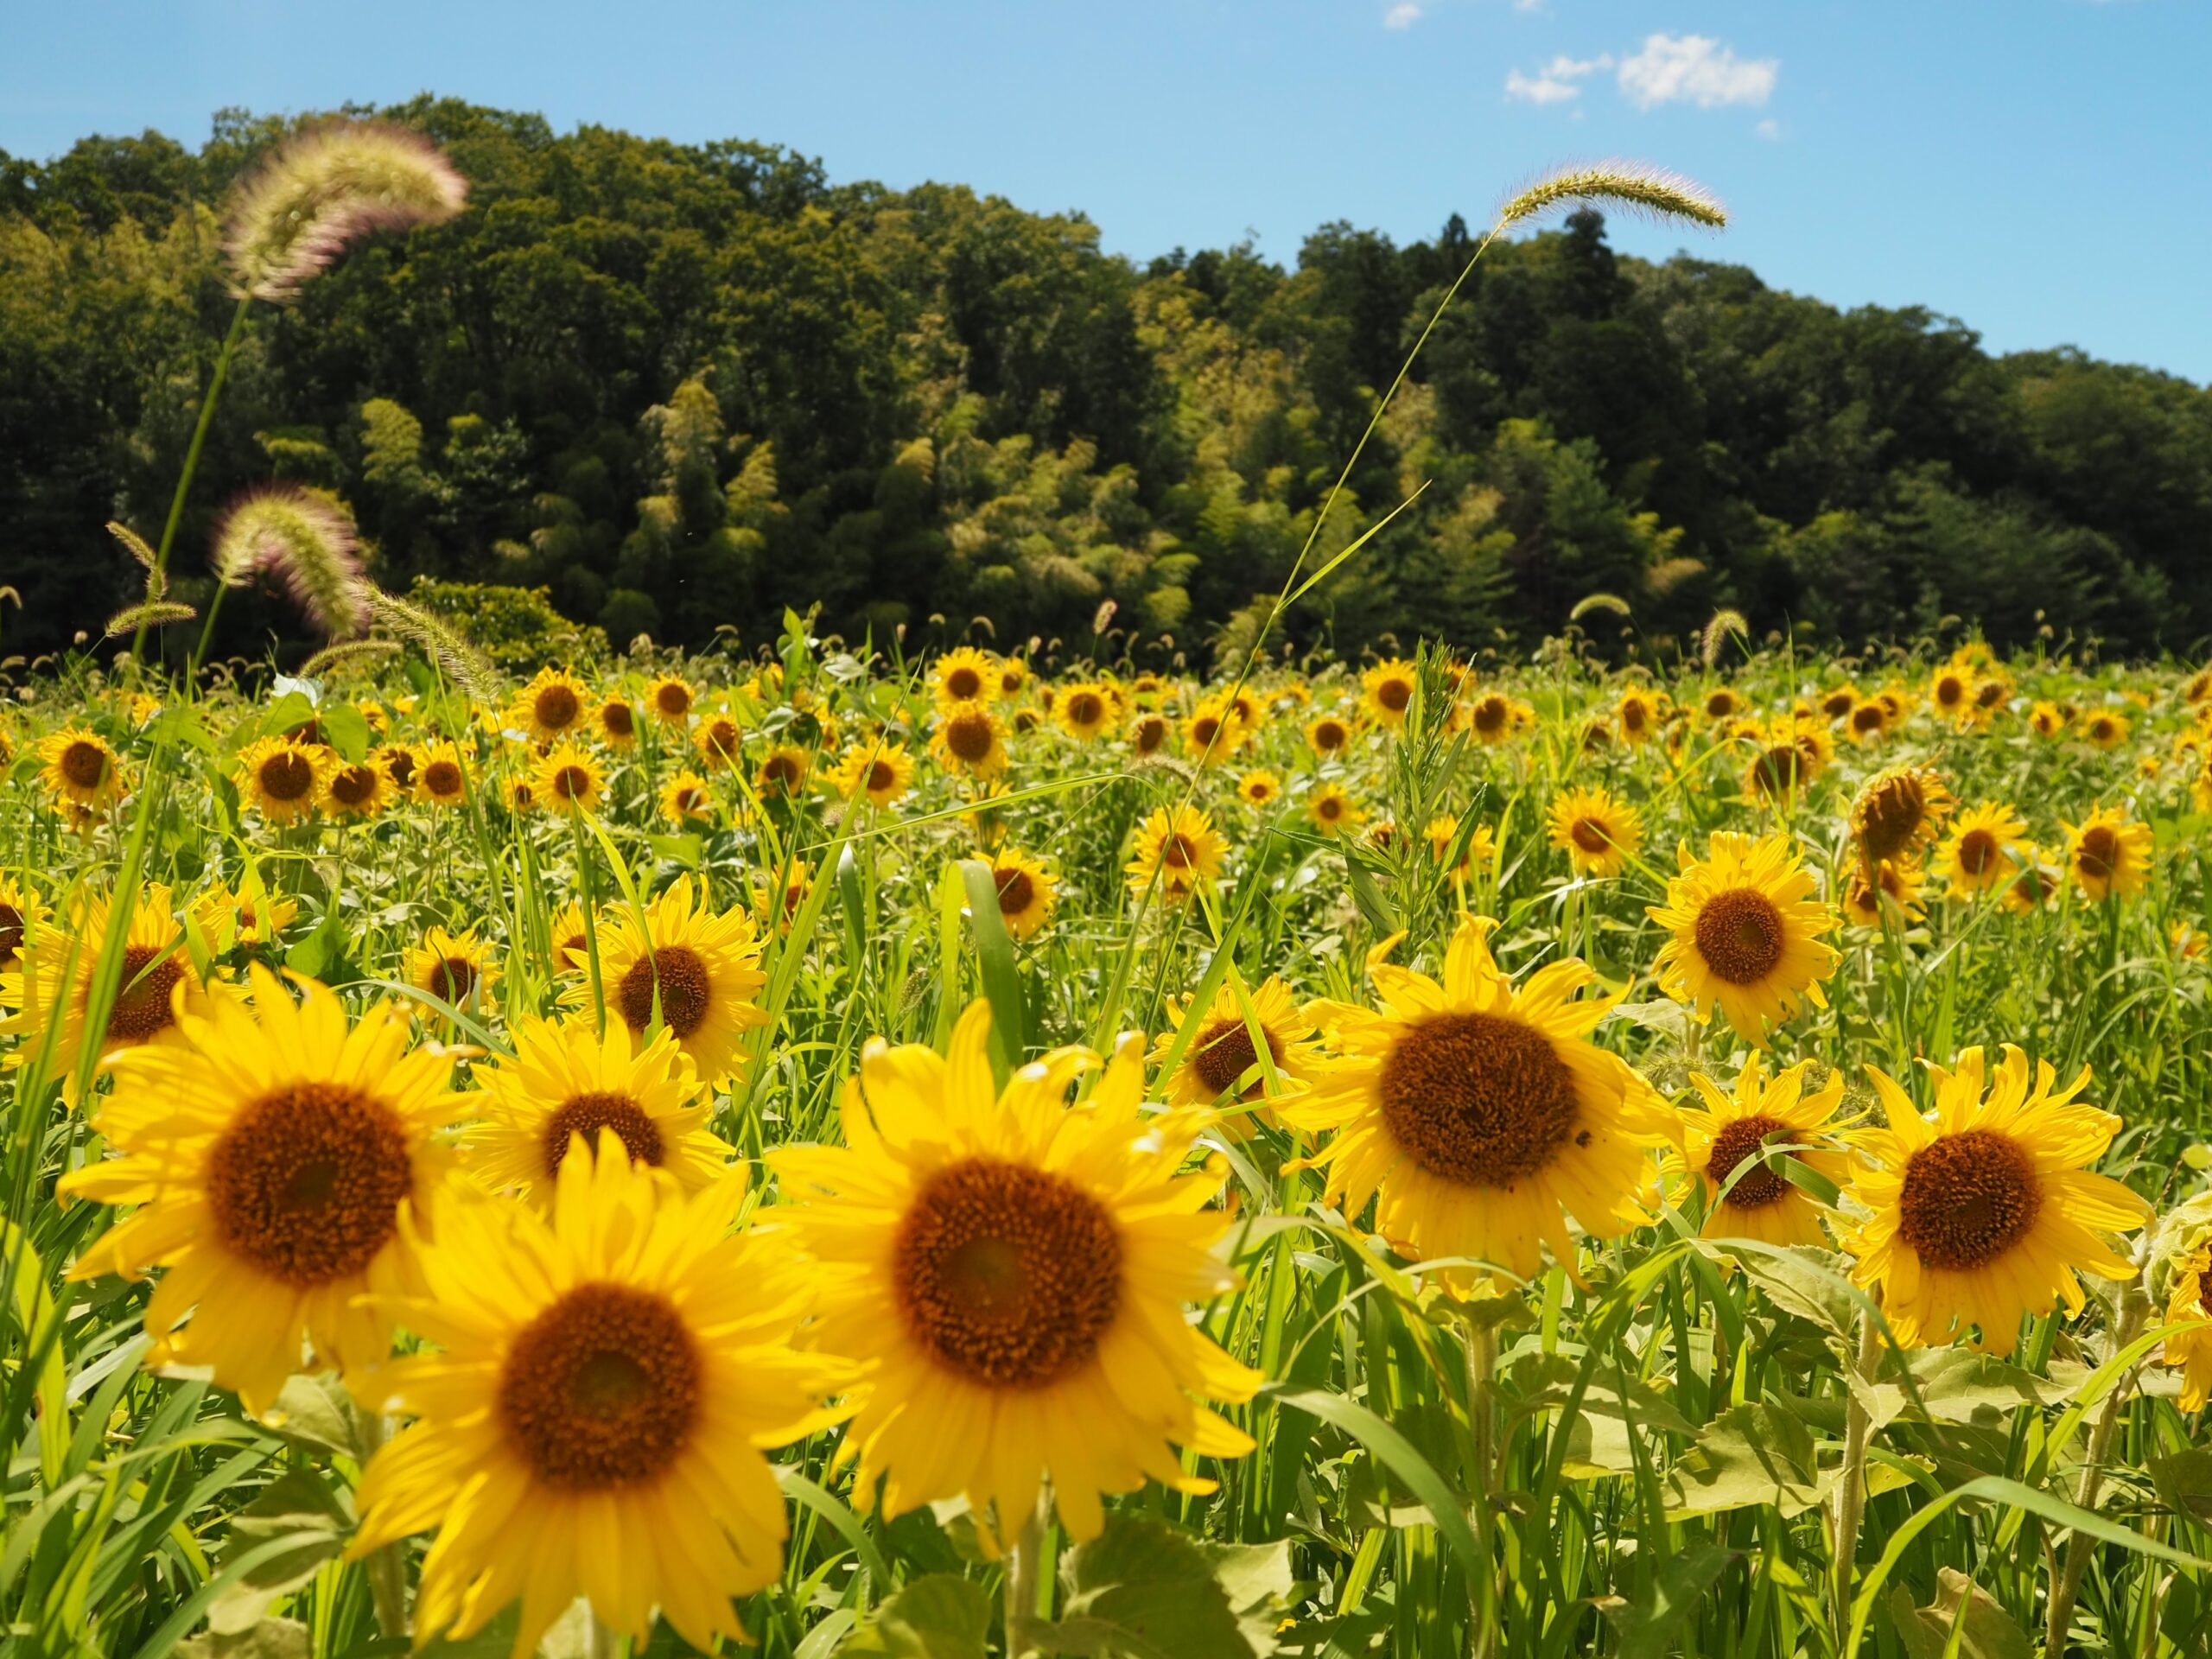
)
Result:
{"points": [[192, 461], [1851, 1480], [2135, 1307]]}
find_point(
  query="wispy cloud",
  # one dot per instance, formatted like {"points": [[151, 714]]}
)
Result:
{"points": [[1694, 69], [1769, 128], [1556, 82], [1404, 15]]}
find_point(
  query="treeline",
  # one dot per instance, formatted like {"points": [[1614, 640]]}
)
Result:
{"points": [[683, 387]]}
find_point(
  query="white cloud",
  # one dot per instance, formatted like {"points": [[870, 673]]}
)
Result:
{"points": [[1694, 69], [1404, 15], [1556, 82], [1769, 128]]}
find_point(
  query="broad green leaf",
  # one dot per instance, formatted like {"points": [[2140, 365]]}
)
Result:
{"points": [[345, 731], [1145, 1589], [1403, 1461], [265, 1638], [316, 1411], [936, 1616], [1751, 1455], [298, 1506], [1646, 1627], [1797, 1280], [2184, 1480], [1963, 1609], [1541, 1382]]}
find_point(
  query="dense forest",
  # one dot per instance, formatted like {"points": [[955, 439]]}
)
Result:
{"points": [[683, 387]]}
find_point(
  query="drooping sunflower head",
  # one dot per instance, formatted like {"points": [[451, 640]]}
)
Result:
{"points": [[1178, 848], [1028, 893], [681, 966], [568, 779], [1897, 887], [720, 741], [1898, 812], [1599, 833], [455, 968], [273, 1156], [1474, 1112], [1152, 733], [1730, 1146], [1976, 857], [552, 706], [1006, 1261], [2109, 855], [969, 739], [1386, 691], [80, 769], [963, 674], [1985, 1210], [1746, 927], [1220, 1057]]}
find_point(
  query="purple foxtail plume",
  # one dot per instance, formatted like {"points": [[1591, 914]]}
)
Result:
{"points": [[326, 189], [307, 541]]}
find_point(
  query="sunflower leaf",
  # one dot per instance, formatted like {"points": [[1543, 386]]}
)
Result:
{"points": [[1144, 1590], [938, 1616]]}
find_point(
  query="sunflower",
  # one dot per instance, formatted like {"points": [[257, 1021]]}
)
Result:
{"points": [[1027, 891], [1598, 834], [882, 771], [2107, 855], [693, 970], [568, 933], [720, 741], [51, 985], [1838, 701], [609, 1376], [1974, 859], [1332, 809], [2031, 885], [1491, 717], [1213, 733], [1085, 709], [455, 968], [963, 675], [552, 706], [1177, 847], [1221, 1051], [618, 721], [776, 903], [231, 916], [358, 791], [2045, 720], [1639, 713], [783, 774], [1258, 787], [1747, 930], [272, 1157], [21, 914], [1792, 753], [2104, 729], [285, 778], [970, 740], [1869, 721], [1900, 886], [669, 699], [520, 792], [439, 777], [1480, 853], [1477, 1112], [80, 769], [1985, 1209], [1952, 692], [567, 1080], [2188, 1304], [1328, 735], [1151, 733], [1386, 691], [1036, 1260], [399, 762], [1723, 1146], [1014, 678], [1992, 691], [1898, 812], [568, 780], [1720, 704], [685, 799]]}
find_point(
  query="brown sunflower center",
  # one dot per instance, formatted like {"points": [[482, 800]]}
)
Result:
{"points": [[1633, 716], [880, 777], [1016, 892], [1329, 808], [1869, 717], [352, 786], [1491, 715], [1990, 693], [690, 801], [616, 720], [673, 701], [556, 708], [1008, 1275], [442, 777], [781, 772], [1224, 1053], [1967, 1198], [963, 683], [1740, 935], [1590, 836], [1950, 692], [1719, 705], [399, 766], [1978, 851], [286, 776], [306, 1183], [1205, 729], [1085, 709], [2099, 853], [1480, 1099], [969, 736], [1152, 732], [84, 764], [601, 1389], [1179, 852], [1329, 734], [1891, 816], [587, 1115], [1776, 771], [684, 986], [452, 978], [723, 738], [1395, 694], [141, 1006], [572, 783], [11, 933], [1743, 1138]]}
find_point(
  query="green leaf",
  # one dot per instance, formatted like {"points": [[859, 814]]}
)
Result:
{"points": [[995, 951], [265, 1639], [296, 1506], [345, 731], [1796, 1279], [1646, 1624], [1984, 1629], [1960, 1386], [1538, 1381], [316, 1411], [1145, 1589], [2184, 1480], [938, 1616], [1751, 1455], [1413, 1471]]}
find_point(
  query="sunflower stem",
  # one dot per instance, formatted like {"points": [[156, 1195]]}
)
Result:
{"points": [[192, 463], [387, 1573], [1022, 1563], [1851, 1480], [2134, 1307], [1482, 1368]]}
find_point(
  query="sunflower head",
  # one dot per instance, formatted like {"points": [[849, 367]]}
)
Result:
{"points": [[568, 779], [1387, 690], [1178, 848], [1085, 709], [552, 706], [1219, 1054], [2107, 855], [1028, 893], [969, 739], [684, 968], [1976, 857], [359, 791], [1333, 811], [1896, 885], [1730, 1142], [1328, 735], [440, 776], [80, 769], [1746, 930], [1599, 833], [720, 741], [1898, 812], [1151, 733], [963, 674], [455, 968], [669, 699]]}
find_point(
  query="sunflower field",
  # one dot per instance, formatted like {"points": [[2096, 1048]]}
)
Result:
{"points": [[824, 1151]]}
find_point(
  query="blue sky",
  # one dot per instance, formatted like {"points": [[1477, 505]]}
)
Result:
{"points": [[2042, 168]]}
